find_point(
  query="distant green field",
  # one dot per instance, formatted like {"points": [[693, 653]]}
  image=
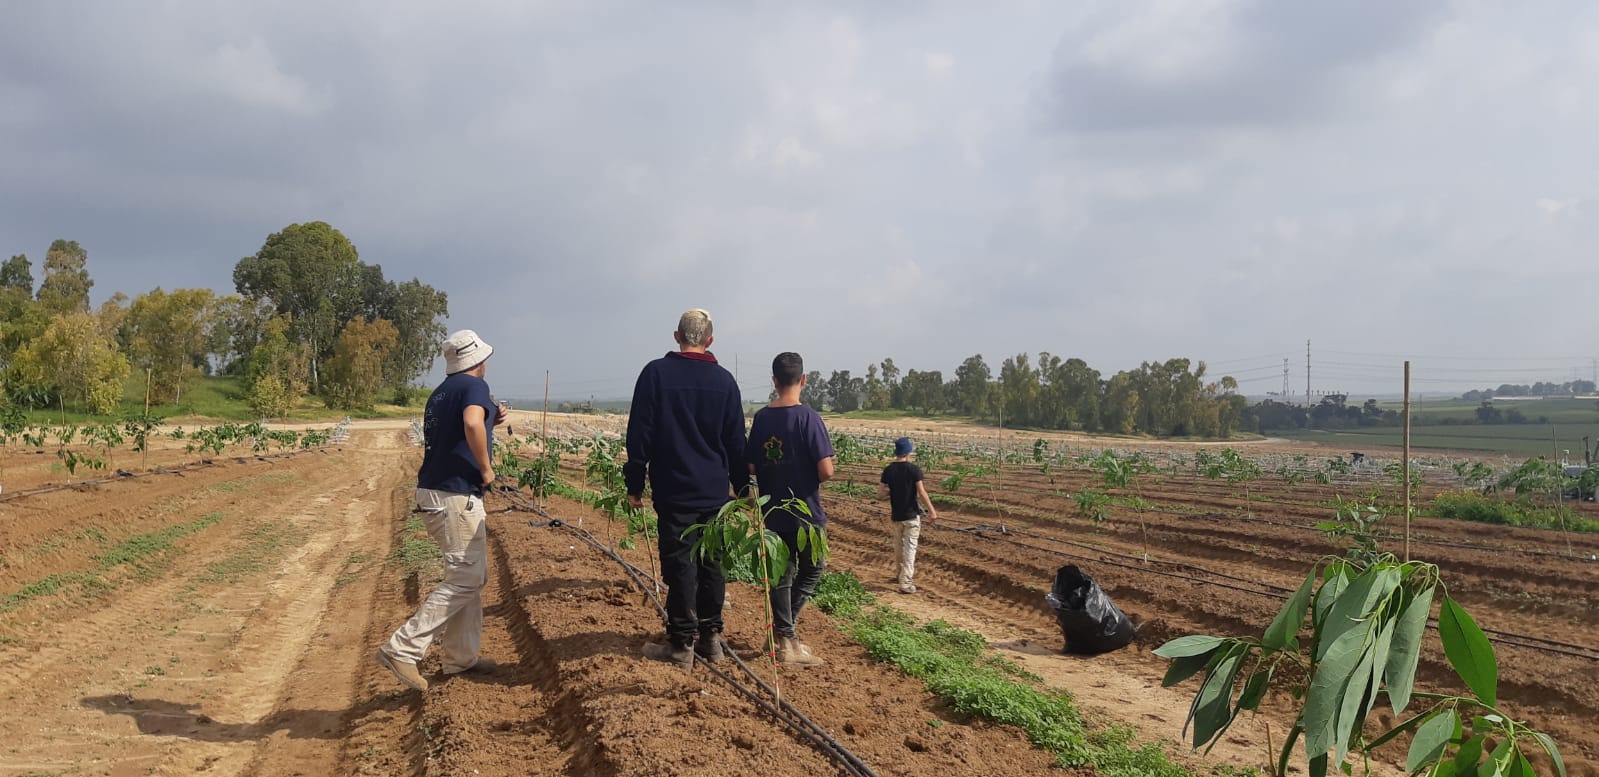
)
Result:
{"points": [[1558, 411], [1511, 439]]}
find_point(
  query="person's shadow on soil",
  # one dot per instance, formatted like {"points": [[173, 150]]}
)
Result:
{"points": [[157, 717]]}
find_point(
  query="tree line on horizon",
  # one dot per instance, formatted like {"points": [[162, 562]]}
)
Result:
{"points": [[1173, 398], [307, 317]]}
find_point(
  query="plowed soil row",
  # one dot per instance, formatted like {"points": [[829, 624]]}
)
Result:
{"points": [[1554, 692], [589, 704], [1555, 585], [1304, 504], [229, 647]]}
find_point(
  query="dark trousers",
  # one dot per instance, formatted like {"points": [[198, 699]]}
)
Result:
{"points": [[795, 587], [695, 588]]}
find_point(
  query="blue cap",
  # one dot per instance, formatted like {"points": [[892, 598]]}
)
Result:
{"points": [[902, 446]]}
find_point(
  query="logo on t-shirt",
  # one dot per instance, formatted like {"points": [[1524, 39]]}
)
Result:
{"points": [[774, 449]]}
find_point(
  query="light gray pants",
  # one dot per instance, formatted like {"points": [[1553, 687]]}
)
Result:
{"points": [[455, 608]]}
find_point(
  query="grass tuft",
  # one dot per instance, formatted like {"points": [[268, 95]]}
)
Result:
{"points": [[957, 666]]}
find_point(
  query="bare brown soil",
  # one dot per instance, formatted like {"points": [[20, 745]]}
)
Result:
{"points": [[242, 645], [1222, 564]]}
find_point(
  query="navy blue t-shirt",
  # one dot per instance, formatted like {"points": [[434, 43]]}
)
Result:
{"points": [[447, 461], [785, 445]]}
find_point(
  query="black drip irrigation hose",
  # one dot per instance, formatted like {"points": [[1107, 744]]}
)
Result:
{"points": [[1527, 642], [784, 711], [126, 475]]}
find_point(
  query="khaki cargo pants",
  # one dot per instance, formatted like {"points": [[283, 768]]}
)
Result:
{"points": [[453, 612], [907, 535]]}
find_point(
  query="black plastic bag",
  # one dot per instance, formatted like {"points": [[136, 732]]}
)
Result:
{"points": [[1088, 620]]}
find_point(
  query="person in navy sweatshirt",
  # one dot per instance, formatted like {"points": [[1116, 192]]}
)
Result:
{"points": [[685, 435]]}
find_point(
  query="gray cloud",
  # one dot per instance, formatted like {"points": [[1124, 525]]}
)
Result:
{"points": [[919, 181], [1195, 66]]}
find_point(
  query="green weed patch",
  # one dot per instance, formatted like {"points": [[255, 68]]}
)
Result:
{"points": [[850, 488], [957, 666], [264, 545], [416, 550], [1471, 506], [137, 552], [245, 484]]}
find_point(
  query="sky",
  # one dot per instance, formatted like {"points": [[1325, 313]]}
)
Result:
{"points": [[1220, 180]]}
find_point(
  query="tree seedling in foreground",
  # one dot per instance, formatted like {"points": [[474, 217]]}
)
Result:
{"points": [[737, 534], [1367, 616]]}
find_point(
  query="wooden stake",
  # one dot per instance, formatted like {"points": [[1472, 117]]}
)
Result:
{"points": [[1407, 461], [147, 376], [1560, 486], [544, 425]]}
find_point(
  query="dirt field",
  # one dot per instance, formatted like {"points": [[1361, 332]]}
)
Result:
{"points": [[222, 620]]}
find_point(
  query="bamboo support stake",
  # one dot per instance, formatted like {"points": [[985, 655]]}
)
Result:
{"points": [[1407, 461]]}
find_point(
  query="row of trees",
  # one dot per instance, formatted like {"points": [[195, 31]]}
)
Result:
{"points": [[309, 316], [1170, 398], [1570, 388], [1334, 412]]}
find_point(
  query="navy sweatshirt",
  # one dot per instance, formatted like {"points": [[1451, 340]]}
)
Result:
{"points": [[686, 430]]}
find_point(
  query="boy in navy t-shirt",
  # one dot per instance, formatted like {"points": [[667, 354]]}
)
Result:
{"points": [[790, 456]]}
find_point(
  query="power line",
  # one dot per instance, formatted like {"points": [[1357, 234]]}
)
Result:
{"points": [[1414, 357], [1209, 363]]}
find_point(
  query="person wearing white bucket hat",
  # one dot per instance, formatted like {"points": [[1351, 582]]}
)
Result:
{"points": [[458, 434]]}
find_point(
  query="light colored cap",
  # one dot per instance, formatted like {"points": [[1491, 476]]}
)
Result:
{"points": [[464, 350]]}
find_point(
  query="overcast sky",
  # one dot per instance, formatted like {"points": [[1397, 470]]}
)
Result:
{"points": [[1117, 181]]}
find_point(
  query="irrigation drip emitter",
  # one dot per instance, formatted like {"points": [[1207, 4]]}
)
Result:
{"points": [[784, 711]]}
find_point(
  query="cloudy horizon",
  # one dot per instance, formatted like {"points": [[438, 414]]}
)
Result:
{"points": [[1219, 180]]}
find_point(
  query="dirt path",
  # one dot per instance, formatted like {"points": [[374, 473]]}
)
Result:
{"points": [[214, 627]]}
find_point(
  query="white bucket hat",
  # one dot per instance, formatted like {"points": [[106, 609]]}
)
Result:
{"points": [[464, 350]]}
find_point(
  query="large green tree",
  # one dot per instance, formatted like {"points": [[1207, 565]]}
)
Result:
{"points": [[237, 328], [169, 334], [1075, 388], [16, 275], [22, 319], [277, 371], [1018, 391], [844, 393], [355, 373], [417, 311], [814, 393], [66, 284], [924, 391], [971, 386], [79, 360], [890, 375], [313, 274], [310, 272]]}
